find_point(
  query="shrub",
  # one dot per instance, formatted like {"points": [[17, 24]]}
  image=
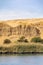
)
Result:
{"points": [[25, 40], [19, 40], [36, 39], [7, 41], [41, 40], [22, 39]]}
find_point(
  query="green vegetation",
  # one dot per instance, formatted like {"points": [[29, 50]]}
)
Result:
{"points": [[7, 41], [22, 39], [37, 39], [22, 48]]}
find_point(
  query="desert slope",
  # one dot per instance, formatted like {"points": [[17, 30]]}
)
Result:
{"points": [[21, 27], [14, 29], [33, 23]]}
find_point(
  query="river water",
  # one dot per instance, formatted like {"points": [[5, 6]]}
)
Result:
{"points": [[21, 60]]}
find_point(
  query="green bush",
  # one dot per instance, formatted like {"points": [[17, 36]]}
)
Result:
{"points": [[36, 39], [7, 41], [22, 39]]}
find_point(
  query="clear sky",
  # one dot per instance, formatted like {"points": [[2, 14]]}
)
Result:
{"points": [[16, 9]]}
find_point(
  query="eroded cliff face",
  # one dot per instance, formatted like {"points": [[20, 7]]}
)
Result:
{"points": [[29, 30], [4, 29]]}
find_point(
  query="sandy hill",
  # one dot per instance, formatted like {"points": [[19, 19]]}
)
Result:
{"points": [[21, 27]]}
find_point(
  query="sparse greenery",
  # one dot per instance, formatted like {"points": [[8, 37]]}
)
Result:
{"points": [[17, 47], [22, 48], [37, 39], [41, 40], [26, 40], [7, 41], [22, 39]]}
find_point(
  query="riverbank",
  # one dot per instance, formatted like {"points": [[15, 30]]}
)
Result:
{"points": [[20, 53], [22, 48]]}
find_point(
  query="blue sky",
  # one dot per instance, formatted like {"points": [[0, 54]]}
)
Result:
{"points": [[17, 9]]}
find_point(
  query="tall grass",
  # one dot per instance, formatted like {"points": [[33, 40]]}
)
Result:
{"points": [[21, 48]]}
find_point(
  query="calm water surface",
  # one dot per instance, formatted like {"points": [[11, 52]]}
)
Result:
{"points": [[22, 60]]}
